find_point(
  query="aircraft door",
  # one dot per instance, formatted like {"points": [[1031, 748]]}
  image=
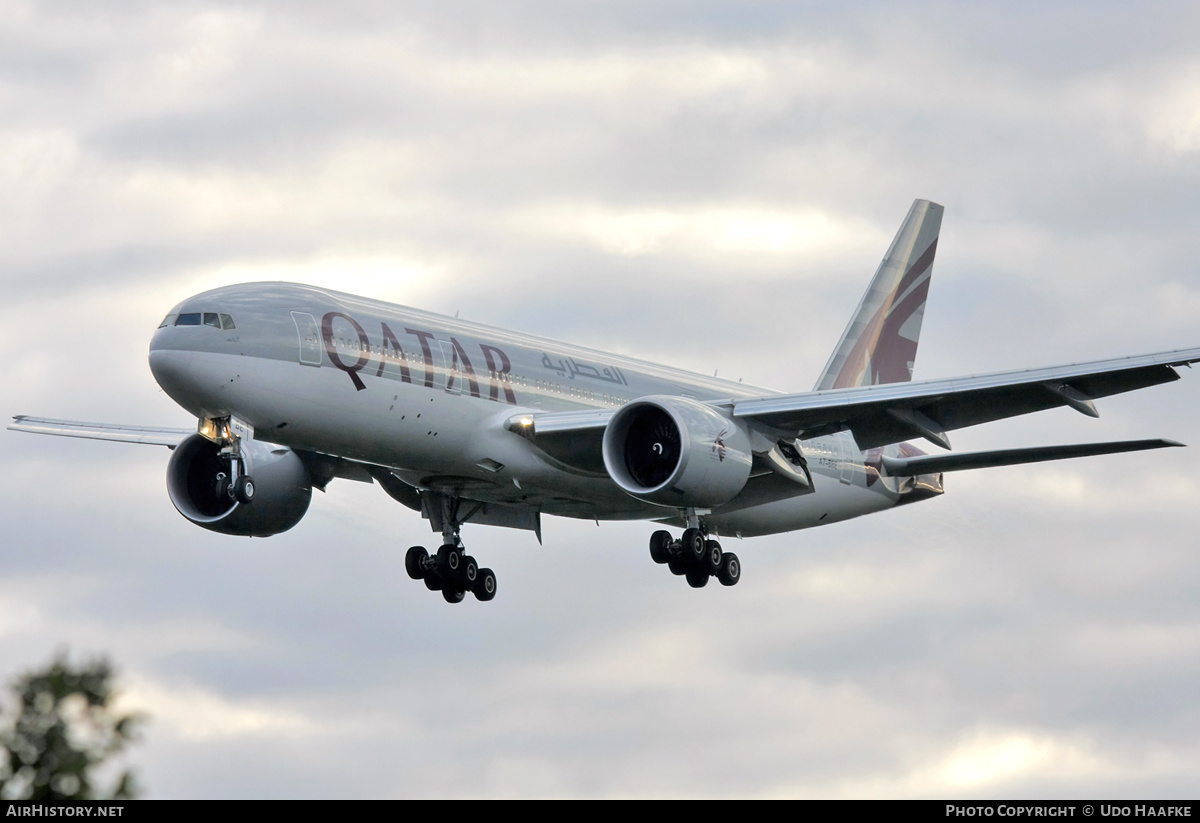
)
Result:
{"points": [[453, 371], [310, 338], [846, 455]]}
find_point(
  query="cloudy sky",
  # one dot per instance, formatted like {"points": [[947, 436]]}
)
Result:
{"points": [[708, 184]]}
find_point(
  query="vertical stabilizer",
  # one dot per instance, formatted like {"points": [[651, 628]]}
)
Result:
{"points": [[880, 344]]}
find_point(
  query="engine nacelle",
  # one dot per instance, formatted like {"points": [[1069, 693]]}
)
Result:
{"points": [[677, 452], [282, 488]]}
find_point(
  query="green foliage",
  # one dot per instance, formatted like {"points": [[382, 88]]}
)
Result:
{"points": [[62, 730]]}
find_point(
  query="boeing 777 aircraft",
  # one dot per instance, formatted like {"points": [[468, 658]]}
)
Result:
{"points": [[293, 386]]}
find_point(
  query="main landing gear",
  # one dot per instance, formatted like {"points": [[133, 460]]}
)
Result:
{"points": [[695, 557], [451, 570]]}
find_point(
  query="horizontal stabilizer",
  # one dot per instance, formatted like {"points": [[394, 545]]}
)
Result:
{"points": [[933, 463], [101, 431]]}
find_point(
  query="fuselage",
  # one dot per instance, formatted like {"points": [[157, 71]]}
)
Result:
{"points": [[431, 397]]}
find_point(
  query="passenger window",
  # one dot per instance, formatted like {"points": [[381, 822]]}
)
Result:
{"points": [[227, 322], [190, 319], [211, 319]]}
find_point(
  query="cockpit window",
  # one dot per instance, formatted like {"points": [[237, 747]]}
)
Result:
{"points": [[195, 318], [166, 321]]}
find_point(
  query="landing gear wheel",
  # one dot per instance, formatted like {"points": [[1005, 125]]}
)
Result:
{"points": [[415, 560], [660, 546], [697, 578], [677, 565], [448, 560], [485, 585], [731, 570], [468, 572], [693, 545], [712, 557], [244, 489], [453, 595], [433, 581]]}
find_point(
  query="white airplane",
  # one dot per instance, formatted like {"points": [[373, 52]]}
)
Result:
{"points": [[293, 386]]}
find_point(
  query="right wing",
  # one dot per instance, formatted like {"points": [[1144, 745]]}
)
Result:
{"points": [[101, 431], [321, 467]]}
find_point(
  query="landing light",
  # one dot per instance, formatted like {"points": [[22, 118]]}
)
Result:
{"points": [[218, 431], [522, 425], [208, 429]]}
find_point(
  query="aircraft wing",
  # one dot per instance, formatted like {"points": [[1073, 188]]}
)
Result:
{"points": [[883, 414], [322, 467], [101, 431]]}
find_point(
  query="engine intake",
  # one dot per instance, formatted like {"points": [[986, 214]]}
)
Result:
{"points": [[282, 486], [676, 452]]}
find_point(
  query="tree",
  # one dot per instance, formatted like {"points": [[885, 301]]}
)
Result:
{"points": [[62, 729]]}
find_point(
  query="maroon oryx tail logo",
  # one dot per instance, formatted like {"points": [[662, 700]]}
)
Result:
{"points": [[719, 445]]}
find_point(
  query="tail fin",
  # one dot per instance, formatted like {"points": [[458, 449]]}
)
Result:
{"points": [[880, 344]]}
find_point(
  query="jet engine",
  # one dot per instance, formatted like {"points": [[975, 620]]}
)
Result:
{"points": [[677, 452], [282, 488]]}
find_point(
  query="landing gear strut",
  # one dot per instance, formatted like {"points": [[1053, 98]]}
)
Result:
{"points": [[695, 557], [235, 482], [451, 570]]}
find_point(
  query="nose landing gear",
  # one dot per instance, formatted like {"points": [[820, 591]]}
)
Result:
{"points": [[229, 433]]}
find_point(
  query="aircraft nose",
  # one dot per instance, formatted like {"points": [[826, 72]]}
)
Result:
{"points": [[172, 371]]}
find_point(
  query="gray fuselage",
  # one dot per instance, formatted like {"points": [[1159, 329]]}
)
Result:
{"points": [[430, 397]]}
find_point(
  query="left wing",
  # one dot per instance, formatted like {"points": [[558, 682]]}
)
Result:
{"points": [[883, 414]]}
